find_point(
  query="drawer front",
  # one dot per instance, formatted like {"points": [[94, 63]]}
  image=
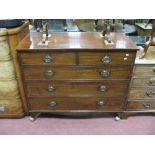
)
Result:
{"points": [[82, 73], [86, 89], [76, 104], [141, 105], [8, 88], [48, 58], [10, 107], [144, 70], [142, 93], [98, 58], [143, 81]]}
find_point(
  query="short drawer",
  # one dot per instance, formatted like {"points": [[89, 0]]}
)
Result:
{"points": [[10, 106], [108, 104], [8, 88], [142, 93], [76, 89], [141, 105], [150, 81], [71, 73], [45, 58], [101, 58], [144, 70]]}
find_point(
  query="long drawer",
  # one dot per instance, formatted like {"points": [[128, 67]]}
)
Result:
{"points": [[106, 88], [48, 58], [100, 58], [144, 70], [142, 93], [141, 105], [82, 73], [76, 104]]}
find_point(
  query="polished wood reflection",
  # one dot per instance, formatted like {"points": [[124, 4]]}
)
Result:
{"points": [[76, 40]]}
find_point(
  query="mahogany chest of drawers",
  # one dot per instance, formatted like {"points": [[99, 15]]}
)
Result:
{"points": [[76, 72]]}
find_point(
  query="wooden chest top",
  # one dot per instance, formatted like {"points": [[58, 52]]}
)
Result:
{"points": [[76, 40]]}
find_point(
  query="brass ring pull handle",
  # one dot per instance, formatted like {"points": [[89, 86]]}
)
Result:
{"points": [[152, 82], [106, 59], [51, 88], [47, 59], [104, 73], [150, 93], [49, 73], [103, 88], [153, 69], [147, 105], [100, 103], [52, 103], [2, 108]]}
